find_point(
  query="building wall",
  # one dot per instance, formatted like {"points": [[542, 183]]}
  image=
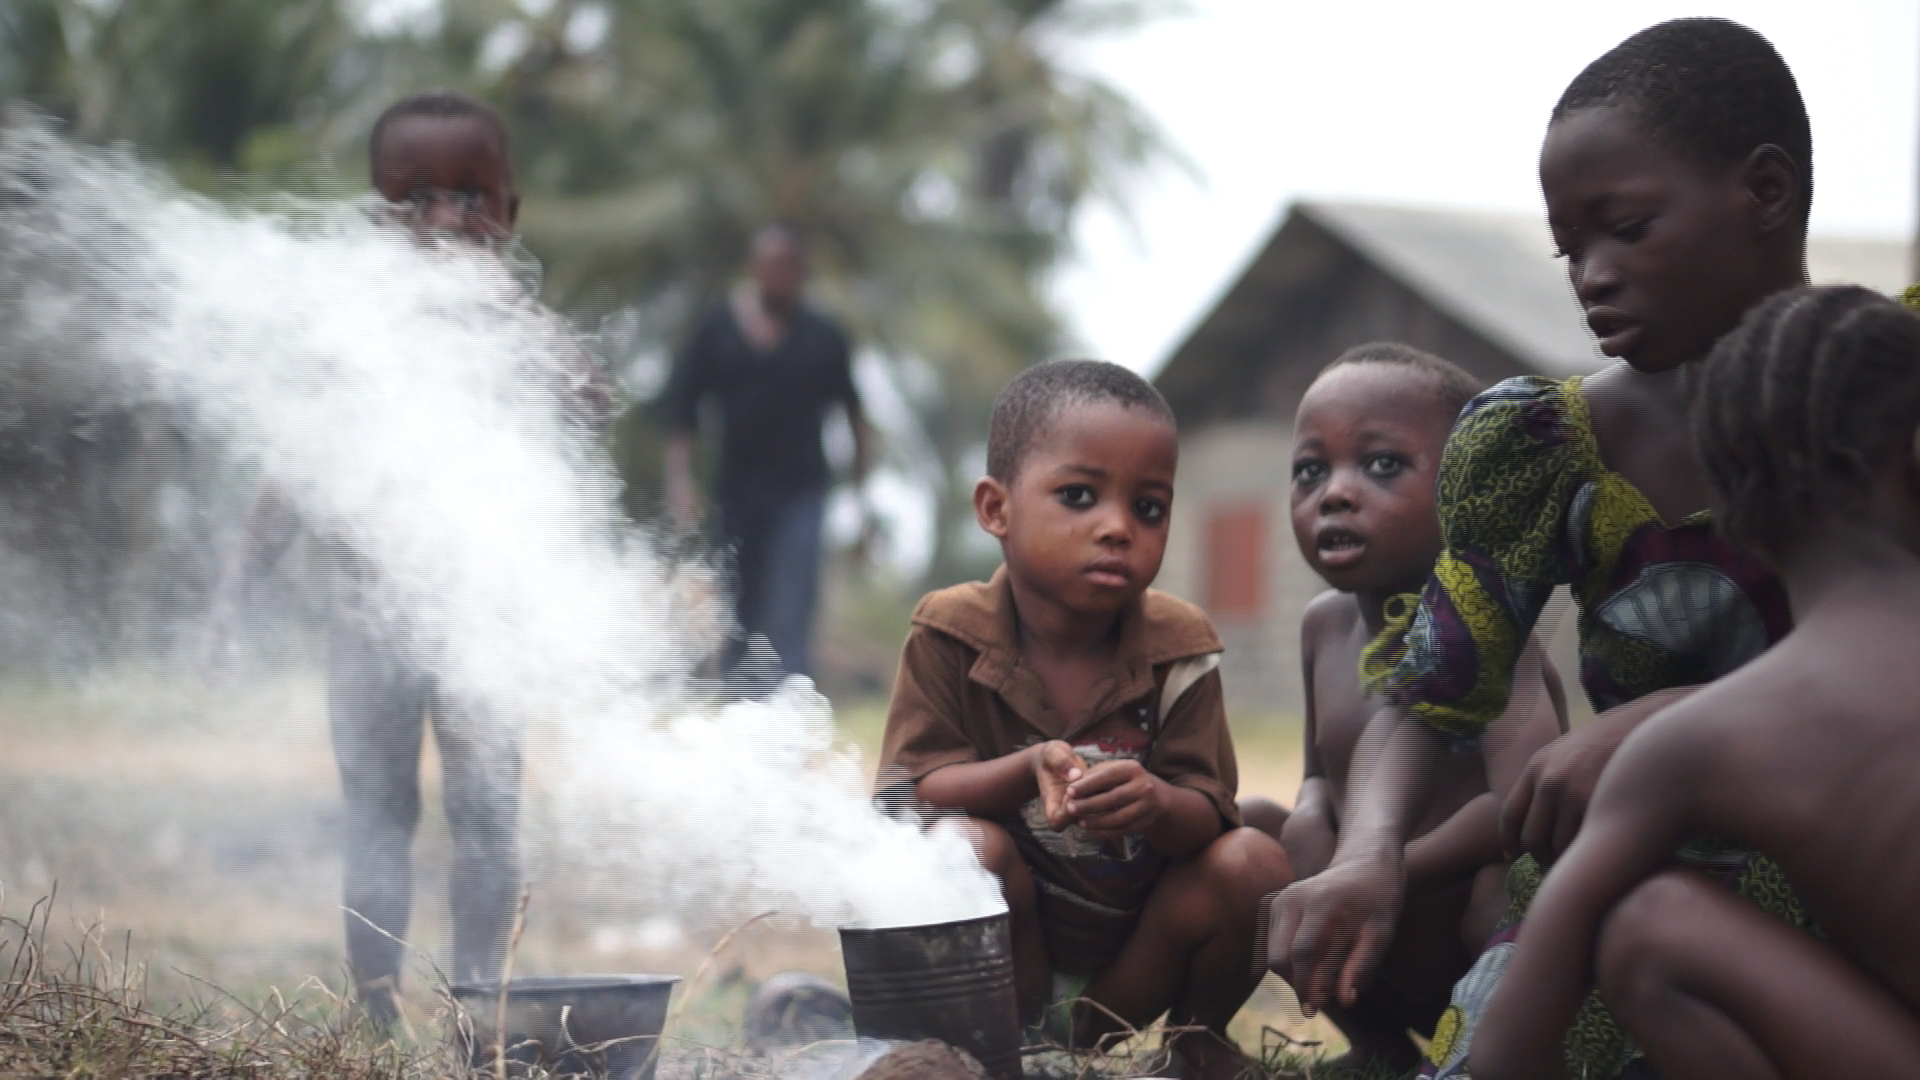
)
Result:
{"points": [[1228, 473]]}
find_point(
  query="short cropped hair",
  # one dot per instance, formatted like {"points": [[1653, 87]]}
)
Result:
{"points": [[1797, 410], [440, 105], [1710, 89], [1452, 386], [1038, 394]]}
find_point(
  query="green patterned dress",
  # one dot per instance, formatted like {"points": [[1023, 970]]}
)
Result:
{"points": [[1526, 504]]}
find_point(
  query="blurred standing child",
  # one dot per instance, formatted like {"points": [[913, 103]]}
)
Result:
{"points": [[1075, 716], [442, 160], [1367, 445]]}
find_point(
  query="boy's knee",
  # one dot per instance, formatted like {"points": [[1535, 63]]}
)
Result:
{"points": [[995, 848], [1642, 936], [1245, 864], [1264, 814]]}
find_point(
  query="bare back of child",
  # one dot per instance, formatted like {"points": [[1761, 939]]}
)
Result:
{"points": [[1368, 440], [1806, 754], [1075, 717]]}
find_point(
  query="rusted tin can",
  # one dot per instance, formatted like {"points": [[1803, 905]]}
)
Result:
{"points": [[947, 981]]}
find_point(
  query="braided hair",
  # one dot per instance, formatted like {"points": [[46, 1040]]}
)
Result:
{"points": [[1798, 408], [1709, 89]]}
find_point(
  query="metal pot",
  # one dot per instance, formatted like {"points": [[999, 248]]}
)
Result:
{"points": [[597, 1025], [947, 981]]}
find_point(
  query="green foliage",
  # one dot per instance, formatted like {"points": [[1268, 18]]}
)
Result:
{"points": [[935, 151]]}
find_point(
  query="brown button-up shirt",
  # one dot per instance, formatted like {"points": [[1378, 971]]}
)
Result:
{"points": [[964, 693]]}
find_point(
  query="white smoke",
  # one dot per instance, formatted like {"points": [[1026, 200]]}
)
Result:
{"points": [[402, 399]]}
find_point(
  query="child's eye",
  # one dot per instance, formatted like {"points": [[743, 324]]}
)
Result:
{"points": [[419, 197], [1385, 466], [1076, 496], [1309, 473], [1631, 231], [1151, 511]]}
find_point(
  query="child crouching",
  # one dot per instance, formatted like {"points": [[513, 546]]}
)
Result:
{"points": [[1076, 718]]}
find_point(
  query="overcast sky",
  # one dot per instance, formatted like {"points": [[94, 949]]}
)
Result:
{"points": [[1434, 104]]}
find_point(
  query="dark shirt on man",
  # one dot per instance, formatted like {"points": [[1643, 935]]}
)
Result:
{"points": [[771, 401]]}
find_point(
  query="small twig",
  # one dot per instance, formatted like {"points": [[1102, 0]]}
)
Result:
{"points": [[506, 974]]}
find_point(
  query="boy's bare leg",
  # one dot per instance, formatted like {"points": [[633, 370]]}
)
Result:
{"points": [[1486, 908], [1711, 986], [1192, 953], [1032, 969]]}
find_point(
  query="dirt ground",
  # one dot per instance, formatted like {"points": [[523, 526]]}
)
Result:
{"points": [[194, 829]]}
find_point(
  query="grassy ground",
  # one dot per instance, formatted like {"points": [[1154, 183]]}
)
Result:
{"points": [[195, 828]]}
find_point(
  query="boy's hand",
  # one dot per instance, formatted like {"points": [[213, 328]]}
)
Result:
{"points": [[1330, 930], [1117, 798], [1544, 811], [1056, 767]]}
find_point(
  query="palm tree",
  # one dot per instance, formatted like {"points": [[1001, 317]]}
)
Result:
{"points": [[936, 153]]}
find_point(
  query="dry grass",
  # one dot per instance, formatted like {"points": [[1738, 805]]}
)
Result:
{"points": [[82, 1011], [203, 820]]}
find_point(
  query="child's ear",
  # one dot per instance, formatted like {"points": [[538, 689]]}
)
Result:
{"points": [[1772, 180], [990, 498]]}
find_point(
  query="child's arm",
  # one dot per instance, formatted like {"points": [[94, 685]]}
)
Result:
{"points": [[1543, 811], [1003, 785], [1313, 828], [1639, 815], [1458, 846], [929, 747], [1470, 839]]}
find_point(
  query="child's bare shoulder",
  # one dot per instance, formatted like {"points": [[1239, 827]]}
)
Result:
{"points": [[1329, 618], [1726, 739]]}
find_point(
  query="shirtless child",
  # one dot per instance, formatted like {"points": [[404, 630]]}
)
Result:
{"points": [[1368, 439], [1808, 421]]}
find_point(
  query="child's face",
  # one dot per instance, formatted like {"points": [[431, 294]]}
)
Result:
{"points": [[1085, 519], [1366, 460], [1665, 254], [449, 175]]}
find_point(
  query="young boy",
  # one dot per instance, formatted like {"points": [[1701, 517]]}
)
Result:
{"points": [[1808, 418], [1367, 443], [1075, 717], [442, 162]]}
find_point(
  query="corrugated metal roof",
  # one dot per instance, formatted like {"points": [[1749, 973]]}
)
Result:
{"points": [[1495, 272]]}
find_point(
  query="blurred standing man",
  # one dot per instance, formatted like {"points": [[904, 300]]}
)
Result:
{"points": [[774, 366]]}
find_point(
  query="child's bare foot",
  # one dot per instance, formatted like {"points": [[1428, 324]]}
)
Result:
{"points": [[1207, 1055]]}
